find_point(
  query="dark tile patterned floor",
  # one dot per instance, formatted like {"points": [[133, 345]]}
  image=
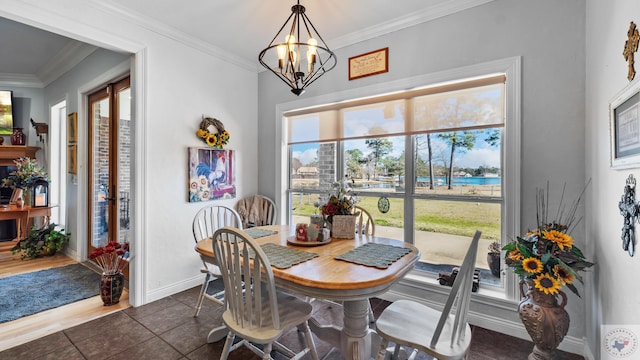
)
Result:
{"points": [[166, 329]]}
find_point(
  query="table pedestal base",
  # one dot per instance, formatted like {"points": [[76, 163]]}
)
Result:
{"points": [[355, 340]]}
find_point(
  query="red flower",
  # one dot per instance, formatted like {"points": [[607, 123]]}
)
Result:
{"points": [[112, 258], [330, 209]]}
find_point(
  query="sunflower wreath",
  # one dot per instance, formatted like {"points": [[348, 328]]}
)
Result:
{"points": [[216, 139]]}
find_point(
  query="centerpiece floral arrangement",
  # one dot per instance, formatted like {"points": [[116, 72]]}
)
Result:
{"points": [[27, 171], [547, 255], [341, 201], [111, 258]]}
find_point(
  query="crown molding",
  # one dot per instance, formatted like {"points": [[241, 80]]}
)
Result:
{"points": [[66, 59], [20, 80], [427, 14], [418, 17], [177, 35]]}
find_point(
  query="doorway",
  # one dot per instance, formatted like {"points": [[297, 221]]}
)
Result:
{"points": [[109, 165]]}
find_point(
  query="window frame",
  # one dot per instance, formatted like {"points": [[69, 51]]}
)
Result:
{"points": [[511, 67]]}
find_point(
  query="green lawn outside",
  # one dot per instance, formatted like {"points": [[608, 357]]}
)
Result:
{"points": [[448, 217]]}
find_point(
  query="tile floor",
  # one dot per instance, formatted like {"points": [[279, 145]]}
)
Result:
{"points": [[166, 329]]}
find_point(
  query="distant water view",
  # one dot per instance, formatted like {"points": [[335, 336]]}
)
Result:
{"points": [[439, 181], [461, 180]]}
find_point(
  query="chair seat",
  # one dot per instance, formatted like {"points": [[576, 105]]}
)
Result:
{"points": [[412, 324], [292, 311]]}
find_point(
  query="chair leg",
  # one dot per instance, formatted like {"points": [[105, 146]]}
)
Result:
{"points": [[396, 352], [267, 351], [203, 291], [227, 346], [382, 351], [309, 339], [414, 354], [372, 318]]}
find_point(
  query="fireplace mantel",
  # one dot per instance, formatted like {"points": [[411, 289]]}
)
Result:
{"points": [[8, 153]]}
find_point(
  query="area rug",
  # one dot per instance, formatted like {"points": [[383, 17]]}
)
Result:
{"points": [[27, 294]]}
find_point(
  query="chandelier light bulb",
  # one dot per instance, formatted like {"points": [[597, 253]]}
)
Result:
{"points": [[282, 52]]}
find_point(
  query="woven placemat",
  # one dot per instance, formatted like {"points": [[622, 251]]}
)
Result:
{"points": [[376, 255], [258, 233], [284, 257]]}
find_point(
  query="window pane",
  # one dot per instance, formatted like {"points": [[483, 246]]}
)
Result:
{"points": [[443, 232], [313, 165], [390, 224], [375, 164], [303, 206], [473, 170]]}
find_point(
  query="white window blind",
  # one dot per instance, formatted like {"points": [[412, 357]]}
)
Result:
{"points": [[469, 104]]}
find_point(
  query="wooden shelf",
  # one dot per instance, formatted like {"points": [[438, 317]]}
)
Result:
{"points": [[8, 153]]}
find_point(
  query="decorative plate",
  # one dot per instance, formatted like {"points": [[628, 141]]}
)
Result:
{"points": [[383, 204], [292, 240]]}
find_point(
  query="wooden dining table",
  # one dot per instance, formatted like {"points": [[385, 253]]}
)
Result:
{"points": [[328, 278]]}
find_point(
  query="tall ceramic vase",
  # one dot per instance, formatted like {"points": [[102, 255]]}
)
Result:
{"points": [[111, 286], [546, 321]]}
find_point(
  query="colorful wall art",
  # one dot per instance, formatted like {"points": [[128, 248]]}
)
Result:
{"points": [[211, 174]]}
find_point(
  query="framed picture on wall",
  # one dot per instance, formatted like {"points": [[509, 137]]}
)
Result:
{"points": [[211, 174], [624, 128], [72, 159], [6, 112], [72, 127]]}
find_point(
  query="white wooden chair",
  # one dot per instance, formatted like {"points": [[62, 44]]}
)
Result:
{"points": [[438, 333], [257, 210], [206, 221], [364, 222], [255, 311]]}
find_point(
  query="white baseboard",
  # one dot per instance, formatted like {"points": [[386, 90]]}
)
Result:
{"points": [[172, 289]]}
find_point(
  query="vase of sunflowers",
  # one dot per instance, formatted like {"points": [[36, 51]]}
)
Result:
{"points": [[546, 260]]}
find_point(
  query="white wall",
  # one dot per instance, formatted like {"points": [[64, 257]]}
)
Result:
{"points": [[549, 37], [616, 294], [173, 85]]}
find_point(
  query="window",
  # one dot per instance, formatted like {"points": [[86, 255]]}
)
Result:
{"points": [[450, 185], [58, 162], [498, 164]]}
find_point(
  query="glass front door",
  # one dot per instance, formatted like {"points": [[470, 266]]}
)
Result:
{"points": [[109, 164]]}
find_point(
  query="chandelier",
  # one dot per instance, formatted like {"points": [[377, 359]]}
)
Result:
{"points": [[298, 63]]}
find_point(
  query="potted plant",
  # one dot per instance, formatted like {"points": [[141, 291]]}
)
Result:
{"points": [[493, 258], [46, 240]]}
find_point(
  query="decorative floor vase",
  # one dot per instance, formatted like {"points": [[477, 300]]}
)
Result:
{"points": [[111, 286], [546, 321]]}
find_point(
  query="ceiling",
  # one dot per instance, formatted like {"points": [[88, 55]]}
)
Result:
{"points": [[242, 28]]}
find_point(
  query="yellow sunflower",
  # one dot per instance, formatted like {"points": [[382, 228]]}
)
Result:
{"points": [[532, 265], [515, 255], [201, 133], [212, 140], [559, 238], [563, 276], [536, 232], [547, 284]]}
